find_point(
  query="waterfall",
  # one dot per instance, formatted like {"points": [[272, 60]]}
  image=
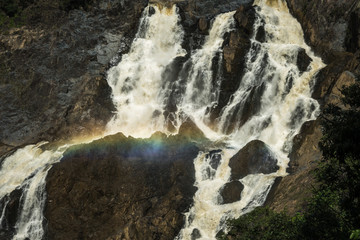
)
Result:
{"points": [[282, 109], [201, 92], [26, 169], [141, 95], [136, 81]]}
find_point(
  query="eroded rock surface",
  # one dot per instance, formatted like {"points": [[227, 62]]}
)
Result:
{"points": [[121, 188], [53, 70]]}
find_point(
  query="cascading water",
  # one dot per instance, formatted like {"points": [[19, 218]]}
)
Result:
{"points": [[282, 108], [26, 169], [140, 92], [137, 81]]}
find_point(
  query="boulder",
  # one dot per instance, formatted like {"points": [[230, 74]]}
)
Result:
{"points": [[254, 158], [231, 192], [189, 130], [195, 234], [302, 60]]}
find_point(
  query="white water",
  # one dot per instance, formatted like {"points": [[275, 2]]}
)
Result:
{"points": [[137, 81], [271, 124], [200, 91], [139, 92]]}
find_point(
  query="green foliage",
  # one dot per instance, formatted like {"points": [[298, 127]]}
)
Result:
{"points": [[338, 171], [355, 234], [334, 210], [9, 7], [264, 224]]}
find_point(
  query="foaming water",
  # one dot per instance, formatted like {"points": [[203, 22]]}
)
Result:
{"points": [[136, 81], [282, 108], [201, 92]]}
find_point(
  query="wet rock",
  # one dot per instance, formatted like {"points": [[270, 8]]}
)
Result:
{"points": [[151, 11], [292, 191], [302, 60], [236, 46], [261, 34], [231, 192], [254, 158], [203, 25], [195, 234], [121, 188], [189, 130], [243, 111]]}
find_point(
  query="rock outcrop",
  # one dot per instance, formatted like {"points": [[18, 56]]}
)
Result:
{"points": [[254, 158], [53, 70], [121, 188]]}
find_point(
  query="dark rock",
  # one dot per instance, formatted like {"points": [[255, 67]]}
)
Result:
{"points": [[151, 11], [195, 234], [254, 158], [246, 109], [245, 17], [121, 188], [189, 130], [302, 60], [353, 32], [325, 24], [327, 77], [260, 34], [203, 25], [231, 192]]}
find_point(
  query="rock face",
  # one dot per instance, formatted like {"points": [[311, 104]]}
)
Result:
{"points": [[121, 188], [329, 27], [254, 158], [52, 70]]}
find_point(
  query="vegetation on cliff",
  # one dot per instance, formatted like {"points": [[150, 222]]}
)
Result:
{"points": [[333, 212]]}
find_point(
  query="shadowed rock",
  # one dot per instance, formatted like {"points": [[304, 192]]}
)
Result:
{"points": [[254, 158], [231, 192], [303, 60], [121, 188]]}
